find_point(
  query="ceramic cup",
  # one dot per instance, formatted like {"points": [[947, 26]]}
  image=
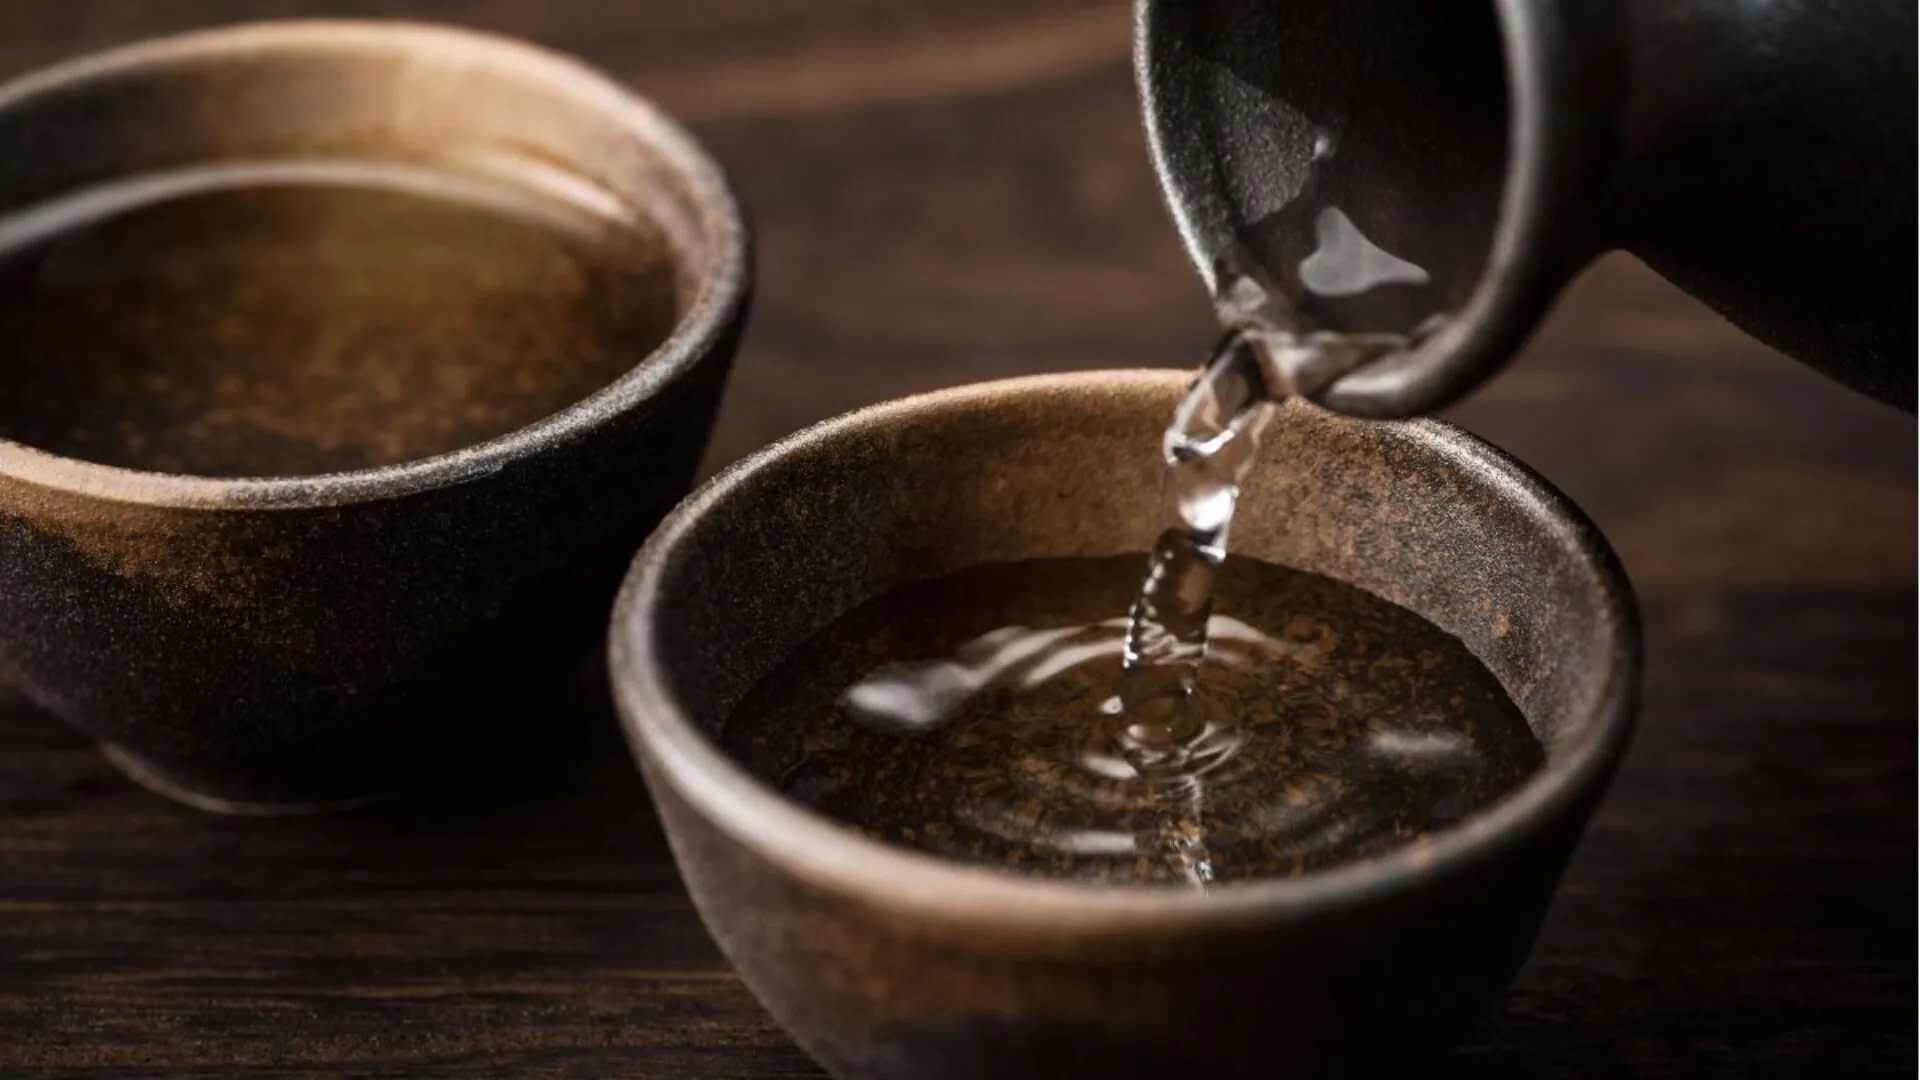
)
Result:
{"points": [[889, 963], [286, 643]]}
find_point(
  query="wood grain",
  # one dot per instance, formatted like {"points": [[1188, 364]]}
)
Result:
{"points": [[951, 191]]}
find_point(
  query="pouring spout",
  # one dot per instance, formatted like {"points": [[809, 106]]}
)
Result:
{"points": [[1440, 171]]}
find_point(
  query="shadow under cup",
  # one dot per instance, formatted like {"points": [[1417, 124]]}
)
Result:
{"points": [[277, 584], [886, 962]]}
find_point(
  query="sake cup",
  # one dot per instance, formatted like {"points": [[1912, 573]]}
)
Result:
{"points": [[885, 963], [287, 643]]}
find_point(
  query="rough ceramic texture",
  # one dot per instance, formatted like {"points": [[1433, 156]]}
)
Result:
{"points": [[886, 963], [1761, 156], [263, 643]]}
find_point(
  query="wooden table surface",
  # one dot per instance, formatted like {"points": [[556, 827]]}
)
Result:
{"points": [[952, 191]]}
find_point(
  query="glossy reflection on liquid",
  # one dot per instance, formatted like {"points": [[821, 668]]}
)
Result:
{"points": [[974, 717]]}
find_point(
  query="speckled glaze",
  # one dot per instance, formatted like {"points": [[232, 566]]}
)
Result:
{"points": [[888, 963], [277, 644]]}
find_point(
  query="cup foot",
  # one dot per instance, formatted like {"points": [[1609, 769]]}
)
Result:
{"points": [[148, 776]]}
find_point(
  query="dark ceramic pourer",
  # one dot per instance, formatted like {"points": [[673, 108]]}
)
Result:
{"points": [[1760, 155], [891, 964], [287, 643]]}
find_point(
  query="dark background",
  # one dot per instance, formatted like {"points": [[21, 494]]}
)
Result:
{"points": [[951, 191]]}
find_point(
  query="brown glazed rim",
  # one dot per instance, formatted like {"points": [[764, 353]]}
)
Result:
{"points": [[720, 292], [831, 856]]}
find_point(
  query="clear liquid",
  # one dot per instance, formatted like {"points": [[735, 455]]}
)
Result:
{"points": [[973, 717], [1272, 350], [310, 316], [1002, 716], [1209, 447]]}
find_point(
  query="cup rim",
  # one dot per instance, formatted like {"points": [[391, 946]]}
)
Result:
{"points": [[719, 295], [815, 848]]}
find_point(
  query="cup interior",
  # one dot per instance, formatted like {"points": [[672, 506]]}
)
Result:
{"points": [[1418, 513], [524, 130]]}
